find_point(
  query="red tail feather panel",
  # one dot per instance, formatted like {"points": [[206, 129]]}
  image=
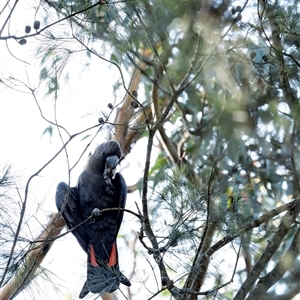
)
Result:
{"points": [[113, 256], [92, 256]]}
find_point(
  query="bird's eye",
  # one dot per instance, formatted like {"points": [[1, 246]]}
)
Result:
{"points": [[103, 152]]}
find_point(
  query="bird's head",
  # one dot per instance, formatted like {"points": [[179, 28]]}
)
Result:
{"points": [[106, 156]]}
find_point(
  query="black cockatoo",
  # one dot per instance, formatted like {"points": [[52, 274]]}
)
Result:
{"points": [[98, 188]]}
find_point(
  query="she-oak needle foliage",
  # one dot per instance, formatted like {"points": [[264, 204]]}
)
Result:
{"points": [[214, 85]]}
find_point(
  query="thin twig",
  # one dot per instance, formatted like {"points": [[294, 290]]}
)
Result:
{"points": [[8, 17], [46, 27], [272, 246], [23, 208]]}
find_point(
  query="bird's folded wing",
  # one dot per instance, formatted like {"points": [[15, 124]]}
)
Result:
{"points": [[67, 200]]}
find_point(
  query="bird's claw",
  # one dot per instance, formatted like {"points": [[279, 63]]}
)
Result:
{"points": [[108, 172], [96, 212], [110, 189]]}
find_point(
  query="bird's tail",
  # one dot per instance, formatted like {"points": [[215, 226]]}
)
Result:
{"points": [[102, 280], [103, 277]]}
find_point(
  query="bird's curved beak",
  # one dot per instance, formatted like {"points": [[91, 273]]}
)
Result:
{"points": [[112, 161]]}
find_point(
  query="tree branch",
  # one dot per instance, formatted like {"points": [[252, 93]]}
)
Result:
{"points": [[33, 259], [125, 112], [24, 203], [284, 83], [200, 264], [274, 243], [285, 264]]}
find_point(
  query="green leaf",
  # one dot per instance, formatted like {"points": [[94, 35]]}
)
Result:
{"points": [[44, 74], [160, 163], [115, 57], [85, 137], [53, 85], [48, 130]]}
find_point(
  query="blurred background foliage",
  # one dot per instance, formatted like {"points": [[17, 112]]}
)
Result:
{"points": [[229, 145]]}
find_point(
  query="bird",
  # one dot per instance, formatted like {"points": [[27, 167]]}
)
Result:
{"points": [[99, 187]]}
